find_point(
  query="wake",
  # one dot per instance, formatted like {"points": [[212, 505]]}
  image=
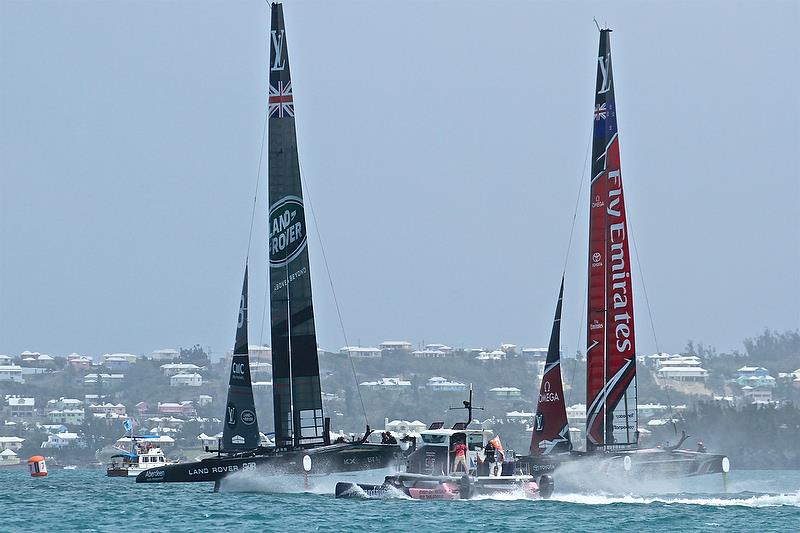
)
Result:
{"points": [[760, 500]]}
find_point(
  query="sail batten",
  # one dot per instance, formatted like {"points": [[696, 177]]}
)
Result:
{"points": [[240, 429], [611, 418], [297, 395]]}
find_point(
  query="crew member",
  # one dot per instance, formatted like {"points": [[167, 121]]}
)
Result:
{"points": [[460, 449]]}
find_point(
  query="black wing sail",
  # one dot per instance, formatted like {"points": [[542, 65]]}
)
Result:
{"points": [[295, 365], [240, 430]]}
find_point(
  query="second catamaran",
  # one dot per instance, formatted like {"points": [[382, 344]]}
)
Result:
{"points": [[302, 436], [612, 427]]}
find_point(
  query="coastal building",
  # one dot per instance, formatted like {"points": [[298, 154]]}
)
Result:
{"points": [[260, 353], [509, 349], [165, 354], [186, 380], [185, 408], [396, 347], [496, 355], [63, 403], [119, 361], [534, 353], [53, 428], [209, 441], [171, 369], [387, 384], [63, 440], [680, 368], [106, 410], [11, 373], [761, 395], [74, 417], [20, 407], [404, 427], [79, 361], [358, 351], [8, 458], [755, 377], [439, 347], [104, 380], [440, 384], [204, 400], [505, 393], [6, 360], [428, 353], [11, 443]]}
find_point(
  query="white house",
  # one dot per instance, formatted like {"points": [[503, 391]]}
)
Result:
{"points": [[11, 443], [505, 393], [165, 354], [186, 380], [106, 409], [404, 427], [396, 346], [104, 379], [428, 353], [170, 369], [11, 373], [8, 458], [439, 347], [6, 359], [757, 395], [495, 355], [440, 384], [21, 407], [358, 351], [384, 384], [534, 353], [63, 440]]}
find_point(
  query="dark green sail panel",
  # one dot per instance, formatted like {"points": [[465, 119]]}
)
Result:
{"points": [[295, 366], [240, 429]]}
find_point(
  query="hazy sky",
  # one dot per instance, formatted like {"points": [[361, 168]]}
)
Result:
{"points": [[443, 146]]}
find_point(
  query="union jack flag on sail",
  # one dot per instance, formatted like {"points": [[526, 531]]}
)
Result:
{"points": [[600, 111], [281, 102]]}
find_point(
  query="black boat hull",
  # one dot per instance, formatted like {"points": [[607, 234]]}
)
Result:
{"points": [[324, 460], [643, 464]]}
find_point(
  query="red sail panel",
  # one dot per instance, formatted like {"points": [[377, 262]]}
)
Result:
{"points": [[611, 417], [550, 427]]}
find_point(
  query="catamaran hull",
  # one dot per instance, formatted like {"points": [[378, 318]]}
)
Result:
{"points": [[324, 460], [646, 464], [422, 487]]}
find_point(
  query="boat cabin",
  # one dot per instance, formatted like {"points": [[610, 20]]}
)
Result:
{"points": [[436, 451]]}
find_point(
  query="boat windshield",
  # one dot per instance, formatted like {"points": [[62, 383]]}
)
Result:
{"points": [[434, 439]]}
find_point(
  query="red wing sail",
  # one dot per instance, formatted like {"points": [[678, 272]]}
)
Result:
{"points": [[550, 427], [611, 418]]}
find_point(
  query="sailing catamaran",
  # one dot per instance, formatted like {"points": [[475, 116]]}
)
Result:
{"points": [[612, 428], [302, 432]]}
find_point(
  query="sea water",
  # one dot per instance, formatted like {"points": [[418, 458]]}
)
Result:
{"points": [[87, 500]]}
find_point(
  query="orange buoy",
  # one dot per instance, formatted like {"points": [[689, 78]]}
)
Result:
{"points": [[37, 466]]}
